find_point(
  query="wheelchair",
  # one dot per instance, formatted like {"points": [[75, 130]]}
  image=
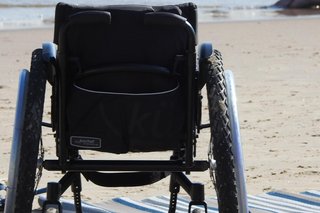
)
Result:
{"points": [[126, 79]]}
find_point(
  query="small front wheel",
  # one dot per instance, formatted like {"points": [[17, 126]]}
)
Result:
{"points": [[197, 211]]}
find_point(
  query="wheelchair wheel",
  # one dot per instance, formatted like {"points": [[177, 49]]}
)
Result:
{"points": [[222, 169], [27, 134]]}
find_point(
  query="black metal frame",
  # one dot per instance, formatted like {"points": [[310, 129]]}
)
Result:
{"points": [[71, 163]]}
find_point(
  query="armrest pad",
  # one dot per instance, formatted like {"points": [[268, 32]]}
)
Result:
{"points": [[205, 51], [49, 52]]}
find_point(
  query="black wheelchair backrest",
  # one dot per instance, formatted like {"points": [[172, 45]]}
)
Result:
{"points": [[124, 74]]}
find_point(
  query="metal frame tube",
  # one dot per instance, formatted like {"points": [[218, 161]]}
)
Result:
{"points": [[236, 143]]}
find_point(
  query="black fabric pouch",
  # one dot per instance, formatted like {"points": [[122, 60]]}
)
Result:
{"points": [[126, 109]]}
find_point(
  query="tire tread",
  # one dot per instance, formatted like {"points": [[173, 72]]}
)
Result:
{"points": [[221, 141]]}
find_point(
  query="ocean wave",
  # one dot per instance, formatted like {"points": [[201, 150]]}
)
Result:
{"points": [[8, 5]]}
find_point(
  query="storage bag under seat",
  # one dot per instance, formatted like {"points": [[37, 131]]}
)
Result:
{"points": [[126, 109]]}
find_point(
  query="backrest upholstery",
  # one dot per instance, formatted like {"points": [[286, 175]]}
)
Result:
{"points": [[122, 84], [64, 11], [138, 44]]}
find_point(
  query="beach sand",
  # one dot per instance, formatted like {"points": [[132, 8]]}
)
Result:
{"points": [[276, 65]]}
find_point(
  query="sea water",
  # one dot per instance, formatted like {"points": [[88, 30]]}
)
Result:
{"points": [[40, 13]]}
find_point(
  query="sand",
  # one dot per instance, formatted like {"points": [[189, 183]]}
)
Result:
{"points": [[277, 72]]}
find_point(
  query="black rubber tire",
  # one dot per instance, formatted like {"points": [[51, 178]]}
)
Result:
{"points": [[221, 141], [31, 135]]}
